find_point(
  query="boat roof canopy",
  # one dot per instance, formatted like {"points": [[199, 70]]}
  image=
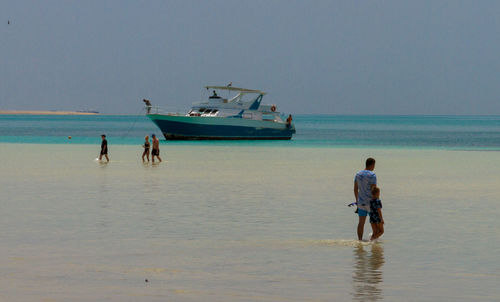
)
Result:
{"points": [[231, 88]]}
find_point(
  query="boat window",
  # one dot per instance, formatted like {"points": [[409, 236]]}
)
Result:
{"points": [[208, 110], [201, 109], [215, 111]]}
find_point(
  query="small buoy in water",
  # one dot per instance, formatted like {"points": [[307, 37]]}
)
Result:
{"points": [[69, 137], [146, 280]]}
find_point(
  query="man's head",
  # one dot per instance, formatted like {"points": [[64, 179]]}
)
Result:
{"points": [[375, 192], [370, 164], [153, 136], [103, 136]]}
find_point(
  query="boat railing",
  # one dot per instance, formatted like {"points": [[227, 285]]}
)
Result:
{"points": [[164, 110]]}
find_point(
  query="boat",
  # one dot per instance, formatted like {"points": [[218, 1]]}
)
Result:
{"points": [[239, 116]]}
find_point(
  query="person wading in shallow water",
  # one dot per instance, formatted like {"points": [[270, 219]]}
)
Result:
{"points": [[104, 148], [156, 148], [364, 181], [376, 219], [146, 148]]}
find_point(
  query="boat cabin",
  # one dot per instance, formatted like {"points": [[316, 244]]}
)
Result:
{"points": [[244, 103]]}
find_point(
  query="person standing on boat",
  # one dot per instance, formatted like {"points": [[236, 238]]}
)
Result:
{"points": [[146, 148], [104, 148], [156, 149], [289, 120], [214, 96], [364, 181], [148, 106]]}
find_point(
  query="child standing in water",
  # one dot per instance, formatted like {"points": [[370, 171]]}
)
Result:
{"points": [[376, 219]]}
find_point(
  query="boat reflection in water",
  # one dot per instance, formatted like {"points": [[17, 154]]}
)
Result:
{"points": [[367, 276]]}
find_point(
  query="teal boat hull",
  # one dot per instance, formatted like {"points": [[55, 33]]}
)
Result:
{"points": [[176, 127]]}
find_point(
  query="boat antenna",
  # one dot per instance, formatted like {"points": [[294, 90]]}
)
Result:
{"points": [[229, 91]]}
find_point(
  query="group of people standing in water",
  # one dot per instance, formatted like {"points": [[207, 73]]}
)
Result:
{"points": [[367, 199], [155, 150], [366, 192]]}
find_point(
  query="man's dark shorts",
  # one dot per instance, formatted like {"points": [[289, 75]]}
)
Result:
{"points": [[155, 152]]}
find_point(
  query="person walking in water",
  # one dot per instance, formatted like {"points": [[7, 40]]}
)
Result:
{"points": [[146, 148], [104, 148], [364, 181], [156, 149]]}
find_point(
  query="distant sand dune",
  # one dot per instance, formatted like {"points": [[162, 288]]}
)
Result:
{"points": [[46, 112]]}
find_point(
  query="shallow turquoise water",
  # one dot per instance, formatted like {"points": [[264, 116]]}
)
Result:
{"points": [[449, 132]]}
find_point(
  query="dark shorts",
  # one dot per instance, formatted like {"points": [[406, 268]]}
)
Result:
{"points": [[374, 206], [155, 152], [375, 217]]}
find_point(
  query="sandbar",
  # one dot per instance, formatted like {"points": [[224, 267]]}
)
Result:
{"points": [[45, 112]]}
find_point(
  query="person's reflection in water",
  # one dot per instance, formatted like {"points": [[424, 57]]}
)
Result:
{"points": [[367, 274]]}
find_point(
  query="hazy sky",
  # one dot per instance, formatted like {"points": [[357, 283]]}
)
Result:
{"points": [[335, 57]]}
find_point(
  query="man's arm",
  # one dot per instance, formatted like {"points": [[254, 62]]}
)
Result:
{"points": [[356, 191]]}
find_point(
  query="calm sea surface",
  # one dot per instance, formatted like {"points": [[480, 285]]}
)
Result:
{"points": [[462, 132], [248, 221]]}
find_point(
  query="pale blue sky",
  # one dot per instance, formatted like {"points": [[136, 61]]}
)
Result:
{"points": [[335, 57]]}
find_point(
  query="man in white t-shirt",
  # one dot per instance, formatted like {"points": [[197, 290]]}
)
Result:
{"points": [[364, 181]]}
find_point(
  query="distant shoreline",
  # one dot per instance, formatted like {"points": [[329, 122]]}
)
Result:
{"points": [[44, 112]]}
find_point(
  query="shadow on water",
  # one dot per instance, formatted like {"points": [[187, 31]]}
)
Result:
{"points": [[368, 272]]}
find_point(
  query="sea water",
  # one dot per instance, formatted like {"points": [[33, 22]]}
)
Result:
{"points": [[248, 221], [449, 132]]}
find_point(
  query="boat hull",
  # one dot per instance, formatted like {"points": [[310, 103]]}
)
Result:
{"points": [[175, 127]]}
